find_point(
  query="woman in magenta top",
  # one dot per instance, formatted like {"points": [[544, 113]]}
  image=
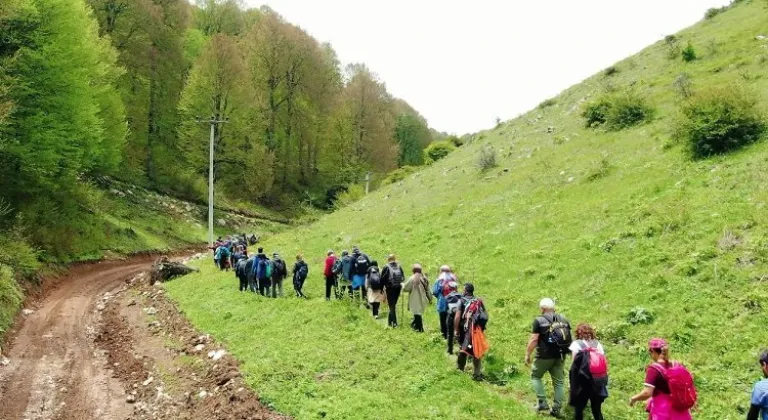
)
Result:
{"points": [[655, 387]]}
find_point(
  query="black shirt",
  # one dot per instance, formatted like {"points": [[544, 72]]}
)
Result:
{"points": [[540, 326]]}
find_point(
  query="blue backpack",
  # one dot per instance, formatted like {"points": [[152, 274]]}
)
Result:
{"points": [[261, 269]]}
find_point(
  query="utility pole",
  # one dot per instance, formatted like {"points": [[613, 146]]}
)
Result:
{"points": [[213, 121], [367, 182]]}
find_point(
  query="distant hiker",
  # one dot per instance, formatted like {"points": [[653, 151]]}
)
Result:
{"points": [[452, 298], [263, 272], [551, 337], [393, 278], [374, 284], [589, 373], [222, 257], [239, 254], [279, 273], [758, 409], [668, 385], [241, 274], [419, 296], [300, 273], [359, 269], [250, 274], [444, 277], [346, 273], [330, 276], [469, 324]]}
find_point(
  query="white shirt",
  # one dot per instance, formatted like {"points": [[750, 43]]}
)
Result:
{"points": [[575, 347]]}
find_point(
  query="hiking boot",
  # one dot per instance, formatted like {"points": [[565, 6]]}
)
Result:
{"points": [[477, 378], [542, 406], [556, 413]]}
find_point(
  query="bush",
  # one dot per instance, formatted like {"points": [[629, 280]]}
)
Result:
{"points": [[618, 110], [610, 71], [639, 315], [689, 53], [547, 103], [487, 158], [353, 193], [714, 11], [720, 120], [456, 141], [399, 174], [683, 85], [438, 150]]}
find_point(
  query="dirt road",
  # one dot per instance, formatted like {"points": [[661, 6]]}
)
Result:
{"points": [[54, 371]]}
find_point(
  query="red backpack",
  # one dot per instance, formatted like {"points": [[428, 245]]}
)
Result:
{"points": [[681, 387], [598, 364]]}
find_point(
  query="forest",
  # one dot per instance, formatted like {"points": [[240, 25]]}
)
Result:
{"points": [[115, 87]]}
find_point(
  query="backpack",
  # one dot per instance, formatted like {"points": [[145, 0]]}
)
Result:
{"points": [[472, 306], [449, 286], [278, 268], [374, 279], [361, 264], [269, 269], [454, 301], [396, 277], [558, 333], [336, 269], [598, 364], [303, 271], [261, 269], [682, 390]]}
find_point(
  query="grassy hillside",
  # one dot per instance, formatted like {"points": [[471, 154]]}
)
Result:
{"points": [[613, 225]]}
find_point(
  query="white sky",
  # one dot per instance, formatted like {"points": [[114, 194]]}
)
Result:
{"points": [[463, 63]]}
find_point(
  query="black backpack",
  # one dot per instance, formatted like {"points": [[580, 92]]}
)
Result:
{"points": [[396, 277], [374, 279], [361, 264], [303, 271], [558, 333], [279, 268], [336, 269]]}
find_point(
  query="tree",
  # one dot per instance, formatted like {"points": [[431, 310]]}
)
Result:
{"points": [[221, 17], [412, 134]]}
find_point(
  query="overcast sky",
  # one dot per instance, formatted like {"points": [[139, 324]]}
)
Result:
{"points": [[463, 63]]}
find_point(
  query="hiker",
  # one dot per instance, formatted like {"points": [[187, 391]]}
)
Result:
{"points": [[758, 409], [550, 337], [393, 277], [419, 296], [250, 274], [241, 274], [668, 386], [346, 273], [263, 272], [330, 276], [469, 324], [359, 269], [374, 284], [300, 273], [437, 291], [452, 298], [588, 374], [279, 273], [222, 256], [239, 254]]}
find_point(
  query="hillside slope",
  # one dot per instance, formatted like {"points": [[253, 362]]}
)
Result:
{"points": [[610, 224]]}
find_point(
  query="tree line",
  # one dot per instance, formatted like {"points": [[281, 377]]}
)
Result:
{"points": [[113, 87]]}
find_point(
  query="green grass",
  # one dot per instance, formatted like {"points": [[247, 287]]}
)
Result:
{"points": [[610, 224]]}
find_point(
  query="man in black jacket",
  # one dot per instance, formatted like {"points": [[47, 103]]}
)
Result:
{"points": [[241, 274], [279, 273], [392, 276], [359, 269], [250, 274]]}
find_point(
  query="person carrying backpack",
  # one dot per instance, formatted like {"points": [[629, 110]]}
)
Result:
{"points": [[758, 409], [330, 275], [346, 273], [452, 298], [550, 337], [250, 274], [263, 270], [374, 284], [241, 274], [469, 324], [300, 273], [588, 374], [279, 273], [419, 296], [668, 386], [437, 291], [359, 269], [393, 278]]}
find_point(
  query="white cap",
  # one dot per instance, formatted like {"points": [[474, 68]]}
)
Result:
{"points": [[547, 303]]}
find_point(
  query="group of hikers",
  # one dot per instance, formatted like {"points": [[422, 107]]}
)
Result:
{"points": [[668, 386]]}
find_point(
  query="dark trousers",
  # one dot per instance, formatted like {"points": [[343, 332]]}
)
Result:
{"points": [[418, 323], [451, 337], [375, 308], [330, 283], [393, 295], [253, 284], [243, 283], [580, 404], [297, 286], [477, 365], [264, 285], [444, 323]]}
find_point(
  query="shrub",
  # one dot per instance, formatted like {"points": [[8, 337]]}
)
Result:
{"points": [[399, 174], [673, 47], [610, 71], [487, 158], [683, 85], [547, 103], [689, 53], [618, 110], [353, 193], [639, 315], [714, 11], [720, 120], [438, 150], [456, 141]]}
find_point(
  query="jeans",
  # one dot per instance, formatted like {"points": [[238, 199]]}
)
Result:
{"points": [[450, 337], [418, 323], [375, 308], [330, 283], [277, 284], [477, 364], [253, 284], [580, 404], [393, 295], [264, 285], [556, 369], [243, 283], [444, 323]]}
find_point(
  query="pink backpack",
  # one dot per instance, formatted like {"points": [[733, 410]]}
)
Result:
{"points": [[598, 364], [682, 390]]}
